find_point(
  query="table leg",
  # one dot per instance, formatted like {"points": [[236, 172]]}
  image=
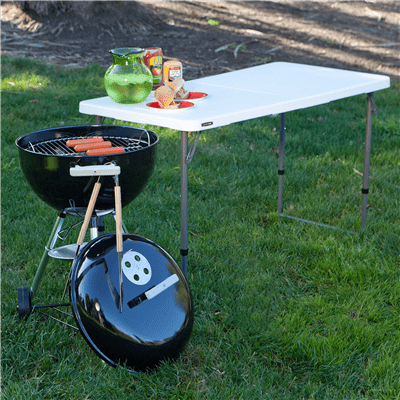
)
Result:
{"points": [[184, 200], [281, 169], [367, 154]]}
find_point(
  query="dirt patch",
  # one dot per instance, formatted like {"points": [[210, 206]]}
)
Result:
{"points": [[213, 37]]}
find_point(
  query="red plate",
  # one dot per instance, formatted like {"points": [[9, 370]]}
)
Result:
{"points": [[196, 95], [181, 105]]}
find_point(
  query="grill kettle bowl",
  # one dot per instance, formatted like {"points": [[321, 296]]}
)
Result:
{"points": [[49, 177]]}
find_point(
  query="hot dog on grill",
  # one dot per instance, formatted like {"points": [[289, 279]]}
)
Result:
{"points": [[110, 150], [92, 145], [75, 142]]}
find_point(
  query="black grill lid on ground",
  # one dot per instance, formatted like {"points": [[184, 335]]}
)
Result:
{"points": [[153, 325]]}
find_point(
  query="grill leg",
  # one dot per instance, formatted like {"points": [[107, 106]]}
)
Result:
{"points": [[124, 228], [281, 169], [45, 257], [184, 200], [94, 227]]}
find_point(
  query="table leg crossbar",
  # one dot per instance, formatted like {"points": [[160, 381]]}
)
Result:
{"points": [[371, 108]]}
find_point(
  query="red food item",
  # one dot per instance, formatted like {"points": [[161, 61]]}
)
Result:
{"points": [[75, 142], [196, 95], [173, 106], [110, 150], [156, 71], [92, 145]]}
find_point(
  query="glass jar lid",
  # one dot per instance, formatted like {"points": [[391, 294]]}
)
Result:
{"points": [[126, 51]]}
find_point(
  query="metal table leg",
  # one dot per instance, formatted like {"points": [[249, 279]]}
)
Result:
{"points": [[186, 157], [281, 169], [184, 200], [367, 153], [371, 108]]}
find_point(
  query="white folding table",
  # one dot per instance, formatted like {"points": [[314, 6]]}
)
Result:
{"points": [[274, 88]]}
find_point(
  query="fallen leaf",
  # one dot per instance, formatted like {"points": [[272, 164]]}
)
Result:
{"points": [[238, 47], [219, 372], [274, 49], [360, 173], [34, 101], [252, 147], [224, 47], [254, 32], [213, 22]]}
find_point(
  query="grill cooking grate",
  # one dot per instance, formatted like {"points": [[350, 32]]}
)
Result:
{"points": [[59, 146]]}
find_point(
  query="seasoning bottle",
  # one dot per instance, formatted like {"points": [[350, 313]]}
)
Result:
{"points": [[153, 60], [172, 70]]}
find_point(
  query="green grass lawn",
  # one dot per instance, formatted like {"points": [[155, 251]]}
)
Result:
{"points": [[283, 309]]}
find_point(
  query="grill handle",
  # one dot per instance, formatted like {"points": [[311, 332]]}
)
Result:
{"points": [[118, 218], [89, 213], [118, 234]]}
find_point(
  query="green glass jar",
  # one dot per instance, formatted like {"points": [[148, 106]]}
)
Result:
{"points": [[128, 80]]}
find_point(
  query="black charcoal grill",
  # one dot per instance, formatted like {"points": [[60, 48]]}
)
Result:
{"points": [[45, 161], [129, 298]]}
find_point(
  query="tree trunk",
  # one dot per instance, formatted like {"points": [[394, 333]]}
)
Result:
{"points": [[131, 14], [45, 7]]}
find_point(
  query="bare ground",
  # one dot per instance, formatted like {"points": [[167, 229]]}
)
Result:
{"points": [[211, 37]]}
